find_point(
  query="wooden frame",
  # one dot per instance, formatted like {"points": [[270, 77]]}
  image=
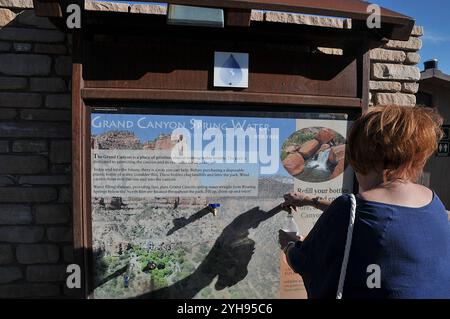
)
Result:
{"points": [[90, 88], [78, 154]]}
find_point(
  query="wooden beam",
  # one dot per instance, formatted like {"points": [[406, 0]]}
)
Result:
{"points": [[218, 97], [238, 17], [394, 25], [77, 166], [353, 9], [48, 8], [365, 80]]}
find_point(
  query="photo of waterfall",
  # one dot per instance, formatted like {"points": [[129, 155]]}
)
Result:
{"points": [[314, 154]]}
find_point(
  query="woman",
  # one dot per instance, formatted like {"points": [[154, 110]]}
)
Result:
{"points": [[400, 226]]}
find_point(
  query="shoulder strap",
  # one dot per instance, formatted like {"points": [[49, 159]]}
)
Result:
{"points": [[348, 245]]}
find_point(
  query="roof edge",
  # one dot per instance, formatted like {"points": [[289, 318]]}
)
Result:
{"points": [[395, 26]]}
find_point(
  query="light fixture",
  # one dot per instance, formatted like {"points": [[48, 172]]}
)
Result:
{"points": [[195, 16]]}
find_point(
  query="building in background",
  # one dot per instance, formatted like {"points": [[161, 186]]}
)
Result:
{"points": [[434, 91]]}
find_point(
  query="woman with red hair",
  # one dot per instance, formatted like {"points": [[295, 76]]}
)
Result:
{"points": [[401, 228]]}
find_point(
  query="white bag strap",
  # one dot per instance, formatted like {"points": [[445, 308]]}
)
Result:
{"points": [[348, 245]]}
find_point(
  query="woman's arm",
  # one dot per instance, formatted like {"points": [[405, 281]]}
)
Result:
{"points": [[297, 199], [287, 243], [285, 239], [319, 255], [290, 244]]}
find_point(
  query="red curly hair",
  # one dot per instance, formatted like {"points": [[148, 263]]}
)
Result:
{"points": [[395, 139]]}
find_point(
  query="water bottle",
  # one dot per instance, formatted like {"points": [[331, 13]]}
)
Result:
{"points": [[291, 226], [290, 282]]}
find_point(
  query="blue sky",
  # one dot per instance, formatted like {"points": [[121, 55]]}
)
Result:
{"points": [[433, 15]]}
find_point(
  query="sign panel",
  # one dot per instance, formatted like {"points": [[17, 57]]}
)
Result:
{"points": [[446, 130], [157, 181], [443, 149], [231, 69]]}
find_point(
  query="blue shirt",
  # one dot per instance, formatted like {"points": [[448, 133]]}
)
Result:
{"points": [[411, 246]]}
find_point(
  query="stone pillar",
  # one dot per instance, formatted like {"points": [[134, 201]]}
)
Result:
{"points": [[394, 71], [35, 154]]}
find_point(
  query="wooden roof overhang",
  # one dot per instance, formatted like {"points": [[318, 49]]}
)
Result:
{"points": [[321, 81], [435, 77], [394, 25]]}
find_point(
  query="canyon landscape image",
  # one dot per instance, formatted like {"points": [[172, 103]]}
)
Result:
{"points": [[174, 247]]}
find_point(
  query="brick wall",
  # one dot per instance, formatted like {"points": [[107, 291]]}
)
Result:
{"points": [[35, 154]]}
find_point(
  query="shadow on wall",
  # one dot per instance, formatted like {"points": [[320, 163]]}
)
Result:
{"points": [[152, 38], [35, 154], [183, 222], [227, 260]]}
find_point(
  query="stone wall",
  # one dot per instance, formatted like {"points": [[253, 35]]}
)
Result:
{"points": [[35, 154], [35, 136], [394, 71]]}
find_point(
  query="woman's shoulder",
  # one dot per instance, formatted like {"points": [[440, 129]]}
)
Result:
{"points": [[342, 201], [340, 207], [335, 213], [407, 196], [437, 201], [370, 212]]}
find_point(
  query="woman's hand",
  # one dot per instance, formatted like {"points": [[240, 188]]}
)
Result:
{"points": [[296, 199], [284, 238]]}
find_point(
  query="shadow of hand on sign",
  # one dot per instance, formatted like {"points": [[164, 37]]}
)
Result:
{"points": [[117, 273], [181, 222], [227, 260]]}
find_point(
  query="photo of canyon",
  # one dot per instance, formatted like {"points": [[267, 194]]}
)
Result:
{"points": [[177, 247], [314, 154]]}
